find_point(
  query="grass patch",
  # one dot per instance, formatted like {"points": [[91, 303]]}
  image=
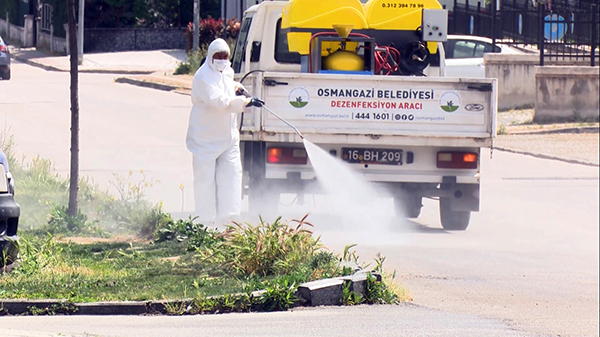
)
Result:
{"points": [[164, 259], [185, 267], [133, 271]]}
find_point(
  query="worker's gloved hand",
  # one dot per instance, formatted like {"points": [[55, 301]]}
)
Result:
{"points": [[257, 102], [242, 92]]}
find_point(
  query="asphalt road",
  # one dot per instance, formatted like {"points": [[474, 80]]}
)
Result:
{"points": [[527, 265], [403, 320]]}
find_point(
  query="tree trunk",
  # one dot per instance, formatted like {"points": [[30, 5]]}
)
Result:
{"points": [[74, 179]]}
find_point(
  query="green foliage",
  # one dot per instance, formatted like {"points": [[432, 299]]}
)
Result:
{"points": [[105, 271], [130, 212], [195, 234], [280, 295], [63, 308], [11, 7], [377, 292], [194, 61], [7, 144], [211, 29], [115, 13], [350, 297], [273, 248], [61, 222], [36, 254], [501, 129]]}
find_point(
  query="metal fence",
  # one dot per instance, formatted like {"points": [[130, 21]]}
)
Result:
{"points": [[46, 18], [564, 30]]}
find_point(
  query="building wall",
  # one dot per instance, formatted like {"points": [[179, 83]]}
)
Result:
{"points": [[132, 39]]}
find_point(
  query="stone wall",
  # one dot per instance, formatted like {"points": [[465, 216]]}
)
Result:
{"points": [[113, 40], [566, 93], [56, 45], [11, 32], [516, 78]]}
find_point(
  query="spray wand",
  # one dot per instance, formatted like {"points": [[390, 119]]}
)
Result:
{"points": [[244, 92], [283, 120]]}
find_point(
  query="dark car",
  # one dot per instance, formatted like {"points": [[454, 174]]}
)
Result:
{"points": [[4, 60], [9, 216]]}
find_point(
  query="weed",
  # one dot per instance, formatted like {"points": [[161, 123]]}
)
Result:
{"points": [[280, 295], [195, 60], [273, 248], [62, 308], [195, 234], [177, 307], [350, 297], [60, 222], [502, 129]]}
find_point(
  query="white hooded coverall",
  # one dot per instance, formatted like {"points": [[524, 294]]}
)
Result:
{"points": [[213, 139]]}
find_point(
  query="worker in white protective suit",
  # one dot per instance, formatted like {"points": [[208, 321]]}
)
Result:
{"points": [[213, 137]]}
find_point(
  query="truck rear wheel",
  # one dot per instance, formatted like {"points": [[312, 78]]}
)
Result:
{"points": [[453, 220], [407, 205]]}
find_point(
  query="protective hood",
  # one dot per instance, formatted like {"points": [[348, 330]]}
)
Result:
{"points": [[217, 46]]}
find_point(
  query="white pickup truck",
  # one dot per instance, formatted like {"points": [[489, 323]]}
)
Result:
{"points": [[421, 136]]}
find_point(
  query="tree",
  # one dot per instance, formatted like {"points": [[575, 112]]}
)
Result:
{"points": [[74, 178]]}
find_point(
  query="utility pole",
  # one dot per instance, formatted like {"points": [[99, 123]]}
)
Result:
{"points": [[80, 33], [74, 177], [196, 37]]}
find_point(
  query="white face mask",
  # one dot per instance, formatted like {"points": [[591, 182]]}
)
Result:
{"points": [[220, 65]]}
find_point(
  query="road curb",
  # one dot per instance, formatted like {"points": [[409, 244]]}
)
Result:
{"points": [[147, 84], [317, 293], [35, 64], [544, 156], [579, 129]]}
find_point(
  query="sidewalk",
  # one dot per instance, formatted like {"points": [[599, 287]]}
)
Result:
{"points": [[570, 142], [134, 62]]}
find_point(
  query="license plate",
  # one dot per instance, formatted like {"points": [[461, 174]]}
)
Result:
{"points": [[372, 156]]}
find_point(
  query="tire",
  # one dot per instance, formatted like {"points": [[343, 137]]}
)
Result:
{"points": [[453, 220], [6, 75], [408, 206]]}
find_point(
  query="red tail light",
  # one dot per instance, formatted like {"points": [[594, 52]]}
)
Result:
{"points": [[286, 155], [4, 49], [457, 160]]}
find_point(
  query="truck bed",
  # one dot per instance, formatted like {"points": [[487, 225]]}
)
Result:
{"points": [[357, 109]]}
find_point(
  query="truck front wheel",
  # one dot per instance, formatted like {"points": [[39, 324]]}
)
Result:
{"points": [[453, 220]]}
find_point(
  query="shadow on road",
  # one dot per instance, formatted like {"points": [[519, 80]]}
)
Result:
{"points": [[418, 227]]}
